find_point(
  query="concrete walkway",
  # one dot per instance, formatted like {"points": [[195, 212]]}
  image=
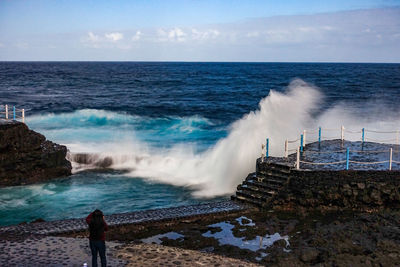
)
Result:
{"points": [[53, 251], [74, 252], [32, 244]]}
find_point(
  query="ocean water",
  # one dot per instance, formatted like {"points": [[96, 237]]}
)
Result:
{"points": [[180, 133]]}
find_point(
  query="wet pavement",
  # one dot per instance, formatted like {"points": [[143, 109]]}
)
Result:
{"points": [[53, 251], [157, 255]]}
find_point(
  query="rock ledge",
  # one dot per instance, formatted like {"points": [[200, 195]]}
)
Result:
{"points": [[26, 156]]}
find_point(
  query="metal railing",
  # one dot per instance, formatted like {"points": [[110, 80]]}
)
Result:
{"points": [[302, 139], [301, 142], [13, 114], [347, 161]]}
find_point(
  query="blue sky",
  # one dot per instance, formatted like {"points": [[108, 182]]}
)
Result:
{"points": [[349, 31]]}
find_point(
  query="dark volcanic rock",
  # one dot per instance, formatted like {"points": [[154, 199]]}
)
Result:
{"points": [[309, 254], [27, 157]]}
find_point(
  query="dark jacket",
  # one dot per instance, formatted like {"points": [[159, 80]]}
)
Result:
{"points": [[103, 235]]}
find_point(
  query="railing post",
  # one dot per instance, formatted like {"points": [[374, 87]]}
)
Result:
{"points": [[301, 143], [342, 133], [363, 135], [14, 112], [262, 152], [286, 148], [347, 158], [298, 159], [267, 148], [7, 112], [390, 158], [304, 137], [319, 135], [23, 115]]}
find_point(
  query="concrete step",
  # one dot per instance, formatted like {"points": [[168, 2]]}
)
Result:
{"points": [[277, 175], [268, 180], [275, 167], [263, 185], [256, 189], [252, 195]]}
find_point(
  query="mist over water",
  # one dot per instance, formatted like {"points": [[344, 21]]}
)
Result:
{"points": [[176, 150]]}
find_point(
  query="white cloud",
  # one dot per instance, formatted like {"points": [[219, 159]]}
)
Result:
{"points": [[106, 40], [22, 45], [162, 35], [137, 36], [114, 36], [307, 29], [173, 35], [360, 35], [253, 34], [204, 35], [177, 34], [327, 28], [93, 37], [91, 40]]}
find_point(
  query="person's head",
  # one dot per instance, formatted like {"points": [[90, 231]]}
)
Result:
{"points": [[97, 213]]}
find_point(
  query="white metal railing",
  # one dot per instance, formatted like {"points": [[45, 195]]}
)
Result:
{"points": [[12, 114], [347, 160], [301, 142]]}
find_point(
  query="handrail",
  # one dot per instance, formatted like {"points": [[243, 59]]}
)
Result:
{"points": [[323, 163], [12, 113], [303, 143], [368, 162]]}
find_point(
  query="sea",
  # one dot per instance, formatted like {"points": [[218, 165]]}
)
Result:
{"points": [[181, 133]]}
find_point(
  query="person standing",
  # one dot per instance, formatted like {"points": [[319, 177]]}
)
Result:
{"points": [[97, 229]]}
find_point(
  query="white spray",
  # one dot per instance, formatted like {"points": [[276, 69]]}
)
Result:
{"points": [[218, 170]]}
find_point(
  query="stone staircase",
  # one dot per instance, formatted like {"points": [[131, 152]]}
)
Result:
{"points": [[258, 188]]}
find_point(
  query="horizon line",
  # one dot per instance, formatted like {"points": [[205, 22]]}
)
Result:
{"points": [[189, 61]]}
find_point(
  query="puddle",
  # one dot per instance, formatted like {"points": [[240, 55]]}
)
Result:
{"points": [[240, 221], [262, 255], [157, 238], [226, 237], [207, 249]]}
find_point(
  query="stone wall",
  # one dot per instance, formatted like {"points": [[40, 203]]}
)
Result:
{"points": [[27, 157], [336, 190]]}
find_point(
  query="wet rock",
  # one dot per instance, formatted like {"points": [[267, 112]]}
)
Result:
{"points": [[360, 186], [27, 157], [309, 254], [280, 243], [38, 220], [376, 196]]}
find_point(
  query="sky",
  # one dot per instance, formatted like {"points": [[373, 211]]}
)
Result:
{"points": [[196, 30]]}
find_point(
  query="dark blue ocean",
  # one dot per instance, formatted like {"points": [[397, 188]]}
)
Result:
{"points": [[180, 133]]}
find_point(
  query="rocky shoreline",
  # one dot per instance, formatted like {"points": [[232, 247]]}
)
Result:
{"points": [[26, 157], [310, 238]]}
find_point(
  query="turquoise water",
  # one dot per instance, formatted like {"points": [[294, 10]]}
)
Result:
{"points": [[74, 197]]}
